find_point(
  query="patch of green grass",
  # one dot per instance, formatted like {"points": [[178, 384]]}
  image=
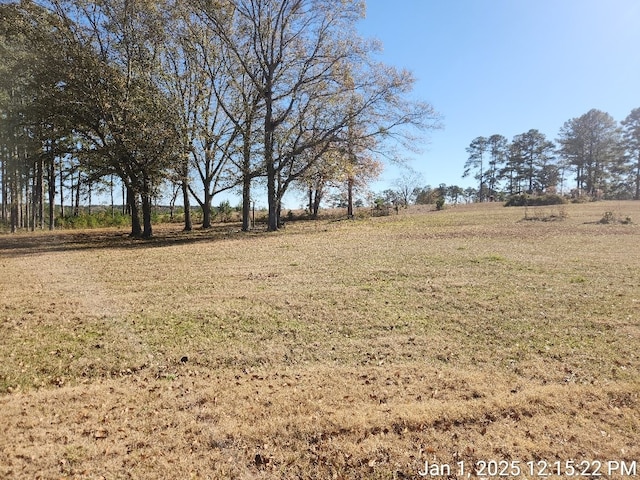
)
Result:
{"points": [[491, 258]]}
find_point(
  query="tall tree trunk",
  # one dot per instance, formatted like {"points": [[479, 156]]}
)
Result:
{"points": [[61, 190], [350, 197], [578, 185], [247, 174], [40, 190], [316, 202], [51, 190], [126, 206], [23, 195], [132, 204], [113, 205], [188, 226], [206, 208], [272, 194], [76, 207], [481, 189], [89, 188], [32, 200], [246, 202], [146, 215], [272, 198], [15, 206], [247, 177], [637, 196], [147, 207], [5, 185]]}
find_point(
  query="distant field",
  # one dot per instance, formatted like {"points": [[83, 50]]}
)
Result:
{"points": [[330, 350]]}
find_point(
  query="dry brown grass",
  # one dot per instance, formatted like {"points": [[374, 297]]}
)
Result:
{"points": [[333, 349]]}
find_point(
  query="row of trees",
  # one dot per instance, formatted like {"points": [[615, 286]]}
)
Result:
{"points": [[211, 95], [602, 156]]}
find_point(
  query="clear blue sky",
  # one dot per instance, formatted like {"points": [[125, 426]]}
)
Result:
{"points": [[507, 66]]}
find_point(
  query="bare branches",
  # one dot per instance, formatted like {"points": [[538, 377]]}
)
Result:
{"points": [[248, 88]]}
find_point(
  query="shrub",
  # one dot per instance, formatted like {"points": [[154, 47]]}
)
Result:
{"points": [[546, 214], [379, 203], [95, 220], [610, 217], [440, 203], [525, 200], [225, 211]]}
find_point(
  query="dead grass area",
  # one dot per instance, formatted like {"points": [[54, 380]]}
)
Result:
{"points": [[332, 349]]}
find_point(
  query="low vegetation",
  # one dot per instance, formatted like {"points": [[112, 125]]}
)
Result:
{"points": [[525, 200], [331, 349], [613, 217]]}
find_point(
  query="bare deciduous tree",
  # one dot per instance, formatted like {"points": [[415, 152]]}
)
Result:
{"points": [[315, 77]]}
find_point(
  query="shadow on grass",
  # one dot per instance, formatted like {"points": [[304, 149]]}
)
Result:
{"points": [[29, 243]]}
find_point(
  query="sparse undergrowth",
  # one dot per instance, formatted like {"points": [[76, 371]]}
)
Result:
{"points": [[329, 350], [546, 214], [611, 217]]}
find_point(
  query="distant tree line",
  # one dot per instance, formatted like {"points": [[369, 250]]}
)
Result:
{"points": [[206, 96], [452, 194], [592, 156], [405, 194]]}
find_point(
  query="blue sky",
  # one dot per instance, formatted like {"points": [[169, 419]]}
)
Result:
{"points": [[507, 66]]}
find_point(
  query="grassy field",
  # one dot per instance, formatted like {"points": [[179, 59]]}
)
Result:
{"points": [[330, 350]]}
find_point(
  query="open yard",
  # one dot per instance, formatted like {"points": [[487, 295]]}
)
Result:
{"points": [[329, 350]]}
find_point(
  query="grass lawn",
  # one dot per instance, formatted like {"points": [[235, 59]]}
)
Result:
{"points": [[331, 349]]}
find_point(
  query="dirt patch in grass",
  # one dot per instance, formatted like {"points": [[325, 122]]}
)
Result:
{"points": [[329, 350]]}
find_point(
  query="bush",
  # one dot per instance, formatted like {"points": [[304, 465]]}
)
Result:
{"points": [[546, 214], [95, 220], [225, 211], [524, 200], [610, 217], [440, 203]]}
